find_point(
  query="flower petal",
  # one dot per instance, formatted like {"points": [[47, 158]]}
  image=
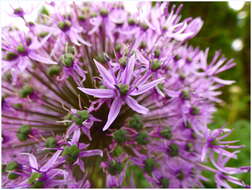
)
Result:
{"points": [[39, 58], [95, 152], [49, 164], [146, 87], [127, 74], [76, 136], [113, 112], [99, 93], [32, 160], [108, 79], [132, 103]]}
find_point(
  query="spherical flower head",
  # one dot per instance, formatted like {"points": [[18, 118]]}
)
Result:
{"points": [[95, 95]]}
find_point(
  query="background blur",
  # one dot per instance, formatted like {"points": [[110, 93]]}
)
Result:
{"points": [[226, 28]]}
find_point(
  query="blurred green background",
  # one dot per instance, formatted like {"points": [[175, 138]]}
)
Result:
{"points": [[226, 28]]}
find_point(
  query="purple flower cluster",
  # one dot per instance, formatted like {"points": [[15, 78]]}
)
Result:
{"points": [[91, 91]]}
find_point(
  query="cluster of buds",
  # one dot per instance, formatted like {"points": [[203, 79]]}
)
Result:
{"points": [[91, 90]]}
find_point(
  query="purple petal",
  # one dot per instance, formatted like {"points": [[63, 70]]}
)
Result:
{"points": [[113, 112], [146, 87], [49, 164], [32, 160], [83, 41], [54, 172], [132, 103], [108, 79], [99, 93], [221, 81], [127, 74], [76, 136], [36, 44], [95, 152], [40, 58], [71, 129]]}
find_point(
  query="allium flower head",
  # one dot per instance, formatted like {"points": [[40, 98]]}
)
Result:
{"points": [[93, 93]]}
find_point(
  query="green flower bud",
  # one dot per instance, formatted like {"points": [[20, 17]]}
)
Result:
{"points": [[82, 18], [123, 88], [77, 120], [123, 61], [120, 136], [189, 147], [157, 53], [17, 106], [12, 176], [67, 59], [83, 114], [173, 150], [144, 26], [53, 70], [166, 133], [142, 138], [142, 45], [21, 49], [118, 48], [10, 56], [115, 168], [136, 122], [36, 180], [180, 175], [104, 12], [155, 65], [185, 95], [195, 111], [44, 11], [177, 57], [43, 34], [118, 151], [25, 91], [23, 132], [64, 26], [80, 116], [149, 165], [131, 22], [71, 153], [164, 182], [50, 142], [13, 165]]}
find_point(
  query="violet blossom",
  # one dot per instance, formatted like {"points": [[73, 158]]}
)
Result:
{"points": [[82, 68]]}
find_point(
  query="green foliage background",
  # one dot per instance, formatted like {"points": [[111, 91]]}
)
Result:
{"points": [[222, 26]]}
